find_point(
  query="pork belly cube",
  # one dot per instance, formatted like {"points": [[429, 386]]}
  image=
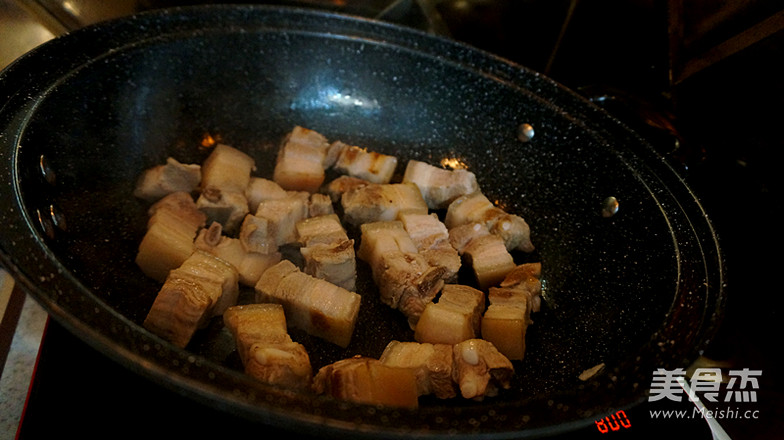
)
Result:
{"points": [[334, 262], [266, 350], [162, 180], [320, 229], [454, 318], [431, 238], [404, 278], [260, 189], [461, 236], [409, 283], [381, 202], [489, 260], [480, 369], [445, 258], [254, 264], [469, 208], [268, 283], [431, 363], [359, 162], [168, 241], [182, 306], [487, 255], [425, 229], [164, 247], [205, 267], [476, 208], [252, 323], [282, 216], [526, 278], [250, 265], [343, 184], [439, 186], [316, 306], [507, 318], [228, 169], [257, 235], [181, 207], [285, 364], [327, 250], [504, 326], [443, 324], [228, 208], [513, 230], [367, 380], [300, 162], [467, 298], [320, 204], [379, 239], [321, 308]]}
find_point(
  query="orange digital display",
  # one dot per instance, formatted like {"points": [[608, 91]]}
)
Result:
{"points": [[613, 422]]}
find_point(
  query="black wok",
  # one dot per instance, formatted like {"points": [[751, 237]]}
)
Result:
{"points": [[83, 115]]}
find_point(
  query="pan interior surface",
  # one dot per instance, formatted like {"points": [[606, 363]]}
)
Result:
{"points": [[617, 287]]}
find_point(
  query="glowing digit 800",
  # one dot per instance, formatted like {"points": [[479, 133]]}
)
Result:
{"points": [[613, 422]]}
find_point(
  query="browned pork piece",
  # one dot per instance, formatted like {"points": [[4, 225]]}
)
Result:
{"points": [[257, 235], [260, 189], [366, 380], [333, 262], [301, 160], [282, 216], [327, 250], [432, 365], [456, 316], [473, 366], [439, 186], [320, 204], [275, 220], [180, 308], [171, 228], [249, 263], [404, 278], [507, 317], [343, 184], [480, 369], [226, 174], [484, 252], [526, 277], [476, 208], [179, 206], [228, 208], [202, 287], [254, 323], [432, 241], [205, 267], [359, 162], [316, 306], [381, 202], [505, 325], [265, 347], [320, 229], [162, 180], [227, 169]]}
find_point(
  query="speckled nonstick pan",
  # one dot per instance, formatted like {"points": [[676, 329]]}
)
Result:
{"points": [[83, 115]]}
